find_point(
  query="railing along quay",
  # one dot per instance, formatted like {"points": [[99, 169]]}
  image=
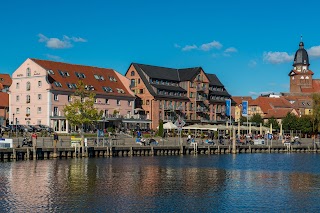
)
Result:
{"points": [[25, 153]]}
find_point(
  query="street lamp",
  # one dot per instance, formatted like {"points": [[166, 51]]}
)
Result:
{"points": [[12, 122], [16, 127]]}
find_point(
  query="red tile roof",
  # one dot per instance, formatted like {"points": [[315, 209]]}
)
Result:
{"points": [[239, 99], [267, 103], [279, 113], [5, 80], [89, 79], [4, 97]]}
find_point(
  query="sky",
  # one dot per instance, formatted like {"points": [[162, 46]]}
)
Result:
{"points": [[248, 44]]}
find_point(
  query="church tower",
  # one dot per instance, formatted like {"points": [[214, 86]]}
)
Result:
{"points": [[300, 75]]}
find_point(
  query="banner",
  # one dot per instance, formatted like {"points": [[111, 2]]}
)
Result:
{"points": [[245, 108], [228, 107]]}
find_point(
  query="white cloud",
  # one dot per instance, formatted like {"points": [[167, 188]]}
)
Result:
{"points": [[252, 63], [177, 46], [56, 43], [54, 57], [209, 46], [189, 47], [314, 51], [277, 57], [231, 50]]}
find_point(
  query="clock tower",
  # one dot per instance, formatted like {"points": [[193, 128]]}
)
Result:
{"points": [[300, 75]]}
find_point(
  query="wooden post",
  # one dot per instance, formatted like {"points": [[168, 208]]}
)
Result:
{"points": [[234, 149]]}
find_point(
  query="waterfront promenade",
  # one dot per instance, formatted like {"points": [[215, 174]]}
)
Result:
{"points": [[122, 147]]}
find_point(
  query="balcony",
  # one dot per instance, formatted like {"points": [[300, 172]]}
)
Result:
{"points": [[169, 107], [201, 89], [179, 108], [201, 98], [201, 109]]}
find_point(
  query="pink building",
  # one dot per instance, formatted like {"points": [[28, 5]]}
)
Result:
{"points": [[40, 89]]}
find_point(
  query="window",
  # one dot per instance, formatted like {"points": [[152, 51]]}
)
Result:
{"points": [[28, 86], [129, 103], [107, 101], [69, 98], [28, 110], [133, 82], [17, 85], [120, 90], [147, 102], [106, 112], [39, 96], [39, 83], [55, 111], [107, 89], [28, 72], [39, 110], [28, 98], [96, 77], [118, 103], [191, 94], [111, 78], [55, 97], [138, 80], [141, 91], [70, 86], [95, 100], [57, 84], [17, 98], [50, 72], [101, 78], [17, 110], [132, 73]]}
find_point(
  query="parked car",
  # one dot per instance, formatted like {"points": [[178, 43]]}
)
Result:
{"points": [[26, 128], [36, 128], [46, 128], [16, 127], [5, 128]]}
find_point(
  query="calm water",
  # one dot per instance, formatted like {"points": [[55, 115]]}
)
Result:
{"points": [[224, 183]]}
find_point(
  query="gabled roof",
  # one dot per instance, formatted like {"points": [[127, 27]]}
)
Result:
{"points": [[278, 113], [214, 81], [89, 78], [5, 80], [172, 74], [268, 103]]}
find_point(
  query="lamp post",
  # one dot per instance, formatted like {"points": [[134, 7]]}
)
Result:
{"points": [[12, 122], [16, 127]]}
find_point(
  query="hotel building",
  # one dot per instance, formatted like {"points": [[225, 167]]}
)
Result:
{"points": [[167, 93], [40, 89]]}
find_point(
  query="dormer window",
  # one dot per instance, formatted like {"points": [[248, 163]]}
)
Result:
{"points": [[50, 72], [111, 78], [96, 77], [70, 86], [57, 84], [80, 75], [102, 78], [107, 89], [120, 90], [89, 87]]}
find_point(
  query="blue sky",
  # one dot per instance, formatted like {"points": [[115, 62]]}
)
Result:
{"points": [[249, 45]]}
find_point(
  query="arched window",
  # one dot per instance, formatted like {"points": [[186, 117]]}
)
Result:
{"points": [[28, 98], [28, 86], [28, 111], [132, 73], [28, 72]]}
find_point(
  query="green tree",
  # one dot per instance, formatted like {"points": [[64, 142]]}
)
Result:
{"points": [[305, 124], [316, 112], [290, 122], [81, 110], [243, 119], [274, 122], [256, 118]]}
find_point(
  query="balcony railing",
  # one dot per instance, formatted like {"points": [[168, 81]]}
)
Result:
{"points": [[201, 98]]}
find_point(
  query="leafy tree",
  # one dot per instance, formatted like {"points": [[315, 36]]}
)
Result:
{"points": [[274, 122], [316, 112], [305, 124], [256, 118], [81, 110], [243, 119], [290, 122]]}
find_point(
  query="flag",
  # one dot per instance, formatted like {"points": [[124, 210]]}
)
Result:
{"points": [[228, 107], [245, 108]]}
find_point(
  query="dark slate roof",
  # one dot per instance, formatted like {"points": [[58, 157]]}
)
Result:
{"points": [[165, 73], [169, 88], [158, 72], [221, 93], [214, 81], [188, 73], [301, 57]]}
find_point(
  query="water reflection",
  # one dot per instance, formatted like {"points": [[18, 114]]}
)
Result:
{"points": [[168, 183]]}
